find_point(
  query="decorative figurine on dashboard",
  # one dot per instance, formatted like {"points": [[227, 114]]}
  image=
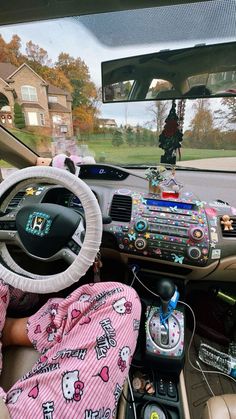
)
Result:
{"points": [[171, 137], [171, 187], [156, 176], [227, 222]]}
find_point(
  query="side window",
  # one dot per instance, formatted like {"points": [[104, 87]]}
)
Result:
{"points": [[29, 93], [42, 119]]}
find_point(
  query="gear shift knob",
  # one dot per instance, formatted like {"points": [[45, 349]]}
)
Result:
{"points": [[166, 289]]}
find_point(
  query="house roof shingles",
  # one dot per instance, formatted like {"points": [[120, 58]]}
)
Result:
{"points": [[56, 107], [32, 105]]}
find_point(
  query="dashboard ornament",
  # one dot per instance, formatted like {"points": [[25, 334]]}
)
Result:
{"points": [[171, 187], [227, 222], [171, 137], [155, 176]]}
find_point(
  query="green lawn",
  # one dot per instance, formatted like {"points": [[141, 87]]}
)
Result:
{"points": [[101, 146], [148, 154]]}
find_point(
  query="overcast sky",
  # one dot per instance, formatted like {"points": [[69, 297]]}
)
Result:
{"points": [[71, 36]]}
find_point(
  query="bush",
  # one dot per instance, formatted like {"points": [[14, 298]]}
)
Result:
{"points": [[117, 139], [19, 119]]}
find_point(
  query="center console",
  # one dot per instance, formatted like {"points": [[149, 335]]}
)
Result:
{"points": [[156, 366]]}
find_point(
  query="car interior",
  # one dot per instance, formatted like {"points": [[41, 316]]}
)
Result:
{"points": [[169, 232]]}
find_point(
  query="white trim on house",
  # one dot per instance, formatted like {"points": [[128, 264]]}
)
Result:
{"points": [[5, 82]]}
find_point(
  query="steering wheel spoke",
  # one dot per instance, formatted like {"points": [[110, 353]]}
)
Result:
{"points": [[8, 230]]}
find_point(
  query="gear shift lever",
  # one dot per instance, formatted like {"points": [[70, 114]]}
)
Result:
{"points": [[166, 289]]}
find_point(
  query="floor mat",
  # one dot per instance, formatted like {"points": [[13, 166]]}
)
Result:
{"points": [[197, 390]]}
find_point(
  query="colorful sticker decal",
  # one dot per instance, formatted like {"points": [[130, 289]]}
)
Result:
{"points": [[30, 191], [213, 221], [177, 259], [39, 190], [132, 236], [200, 203], [211, 212], [216, 253], [214, 237]]}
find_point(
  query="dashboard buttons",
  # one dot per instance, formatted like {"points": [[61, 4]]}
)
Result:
{"points": [[196, 233], [141, 225], [194, 252], [140, 243]]}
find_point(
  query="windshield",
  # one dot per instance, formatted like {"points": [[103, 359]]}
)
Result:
{"points": [[51, 99]]}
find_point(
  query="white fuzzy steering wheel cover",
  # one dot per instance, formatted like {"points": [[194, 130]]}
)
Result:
{"points": [[91, 242]]}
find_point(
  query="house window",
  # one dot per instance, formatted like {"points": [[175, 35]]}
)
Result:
{"points": [[29, 93], [56, 119], [52, 99], [32, 118], [42, 119], [63, 128]]}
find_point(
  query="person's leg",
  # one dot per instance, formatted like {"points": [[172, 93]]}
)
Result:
{"points": [[87, 341], [4, 301]]}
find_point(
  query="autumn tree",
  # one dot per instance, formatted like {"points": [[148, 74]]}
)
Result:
{"points": [[77, 72], [83, 119], [37, 54], [202, 123], [10, 52]]}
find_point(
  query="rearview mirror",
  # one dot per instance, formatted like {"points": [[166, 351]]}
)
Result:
{"points": [[198, 72]]}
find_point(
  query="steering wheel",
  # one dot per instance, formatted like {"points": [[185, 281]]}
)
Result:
{"points": [[48, 231]]}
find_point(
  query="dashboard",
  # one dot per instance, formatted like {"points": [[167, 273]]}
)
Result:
{"points": [[184, 237]]}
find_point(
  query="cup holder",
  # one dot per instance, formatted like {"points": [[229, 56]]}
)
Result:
{"points": [[153, 410]]}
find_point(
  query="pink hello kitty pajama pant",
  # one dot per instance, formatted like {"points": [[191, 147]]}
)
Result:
{"points": [[86, 342]]}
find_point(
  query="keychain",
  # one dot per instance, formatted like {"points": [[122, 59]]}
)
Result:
{"points": [[97, 264]]}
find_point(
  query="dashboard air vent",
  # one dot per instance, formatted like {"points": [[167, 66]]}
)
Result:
{"points": [[229, 233], [121, 208], [16, 200]]}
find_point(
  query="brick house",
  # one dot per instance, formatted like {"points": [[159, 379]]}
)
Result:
{"points": [[107, 123], [44, 105]]}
